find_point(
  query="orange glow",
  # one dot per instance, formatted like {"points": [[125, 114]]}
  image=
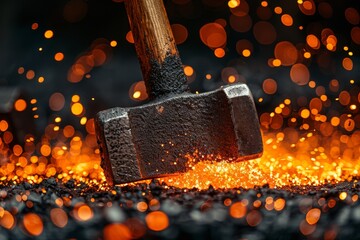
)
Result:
{"points": [[264, 32], [306, 229], [300, 74], [188, 70], [129, 37], [34, 26], [59, 56], [246, 53], [142, 206], [219, 52], [30, 74], [113, 43], [287, 20], [241, 9], [313, 41], [20, 105], [313, 216], [117, 231], [286, 52], [83, 212], [7, 220], [238, 210], [21, 70], [48, 34], [77, 109], [355, 35], [347, 64], [157, 221], [279, 204], [276, 62], [180, 33], [33, 224], [269, 86], [213, 35], [59, 217], [3, 125], [307, 7], [253, 218], [278, 10], [307, 55], [233, 3]]}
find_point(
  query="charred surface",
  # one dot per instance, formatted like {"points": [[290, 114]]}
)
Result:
{"points": [[165, 78]]}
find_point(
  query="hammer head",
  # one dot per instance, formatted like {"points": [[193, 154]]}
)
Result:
{"points": [[152, 140]]}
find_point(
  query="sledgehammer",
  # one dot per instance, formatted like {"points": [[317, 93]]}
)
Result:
{"points": [[153, 140]]}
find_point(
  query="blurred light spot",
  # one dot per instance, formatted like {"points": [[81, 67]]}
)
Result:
{"points": [[313, 41], [117, 231], [56, 101], [300, 74], [180, 33], [246, 53], [352, 16], [58, 217], [3, 125], [355, 35], [77, 109], [347, 64], [213, 35], [30, 74], [238, 210], [219, 53], [48, 34], [242, 46], [286, 52], [41, 79], [34, 26], [313, 216], [278, 10], [253, 218], [59, 56], [325, 10], [129, 37], [138, 92], [157, 221], [233, 3], [307, 7], [241, 10], [20, 105], [7, 220], [240, 23], [287, 20], [269, 86], [188, 70], [33, 224], [264, 32], [113, 43]]}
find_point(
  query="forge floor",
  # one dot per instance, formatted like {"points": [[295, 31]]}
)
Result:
{"points": [[56, 210]]}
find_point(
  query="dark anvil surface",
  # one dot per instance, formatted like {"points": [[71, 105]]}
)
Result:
{"points": [[192, 214]]}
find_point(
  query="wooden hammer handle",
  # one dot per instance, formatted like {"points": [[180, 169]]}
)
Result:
{"points": [[156, 48]]}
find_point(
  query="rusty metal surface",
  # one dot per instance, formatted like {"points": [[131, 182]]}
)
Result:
{"points": [[152, 140]]}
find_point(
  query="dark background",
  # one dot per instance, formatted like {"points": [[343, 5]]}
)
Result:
{"points": [[109, 84]]}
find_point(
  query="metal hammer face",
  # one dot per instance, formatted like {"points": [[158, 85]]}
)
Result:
{"points": [[152, 140]]}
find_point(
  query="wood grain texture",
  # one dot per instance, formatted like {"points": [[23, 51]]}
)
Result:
{"points": [[156, 48]]}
